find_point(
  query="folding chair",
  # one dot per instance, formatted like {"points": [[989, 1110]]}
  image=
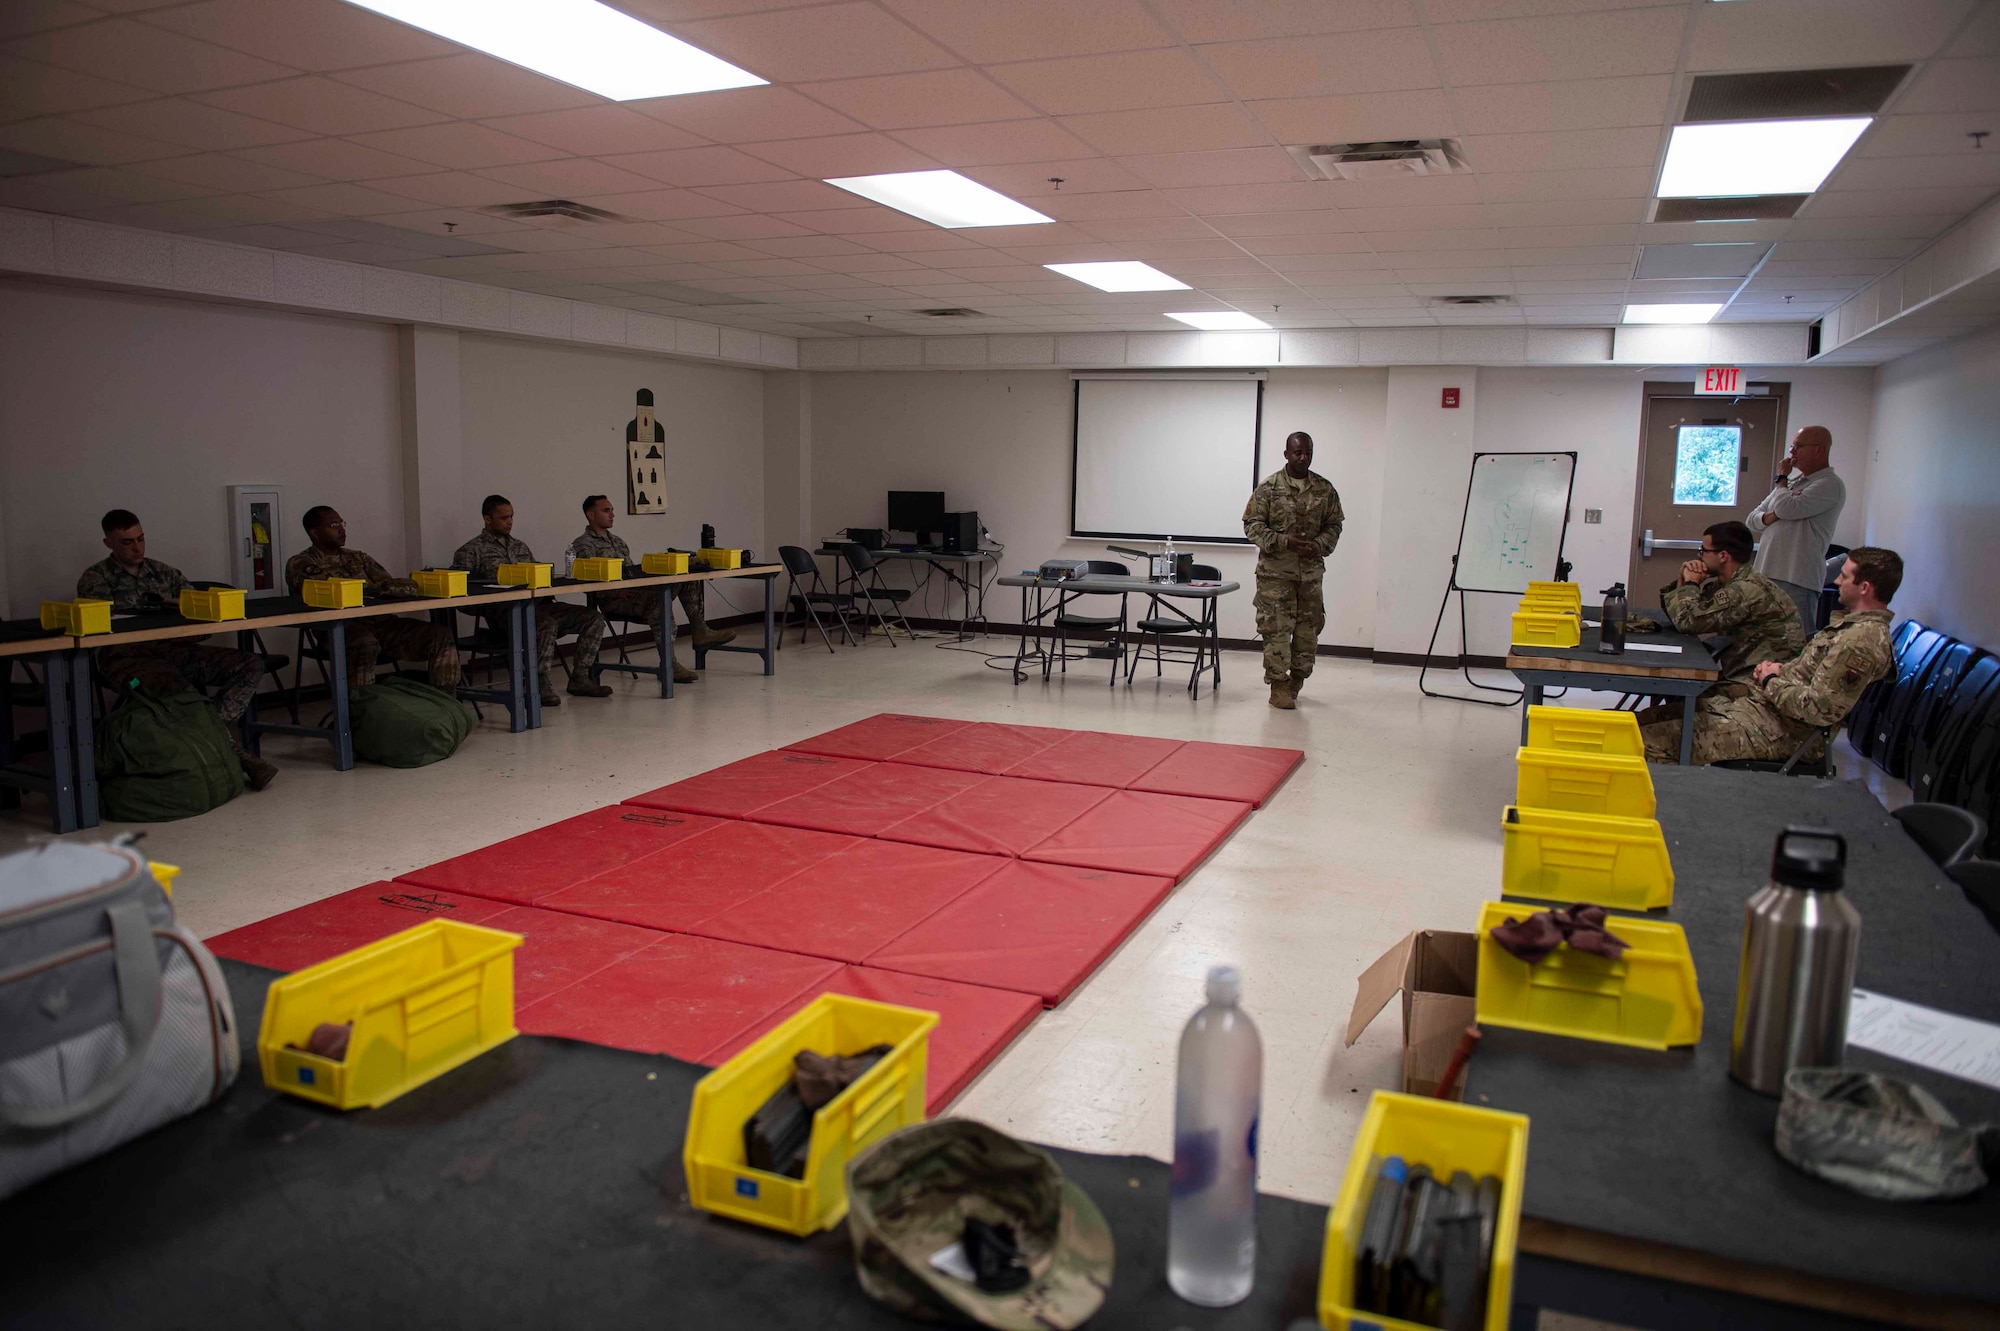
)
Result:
{"points": [[865, 576], [1821, 767], [1067, 623], [1945, 832], [812, 593], [1156, 626]]}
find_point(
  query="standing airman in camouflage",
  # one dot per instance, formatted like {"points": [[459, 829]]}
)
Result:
{"points": [[1294, 519], [1720, 593], [482, 557], [367, 639], [1787, 702], [130, 581], [597, 542]]}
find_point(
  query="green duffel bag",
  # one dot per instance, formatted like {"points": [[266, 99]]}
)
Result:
{"points": [[162, 756], [401, 723]]}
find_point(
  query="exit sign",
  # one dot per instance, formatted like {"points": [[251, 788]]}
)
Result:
{"points": [[1720, 379]]}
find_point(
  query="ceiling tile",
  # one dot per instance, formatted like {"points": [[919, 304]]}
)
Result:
{"points": [[1168, 129], [1148, 228], [1816, 227], [130, 52], [1434, 217], [1209, 21], [1223, 200], [1031, 29], [842, 155], [322, 106], [1568, 212], [747, 115], [828, 42], [711, 165], [1334, 243], [867, 219], [743, 226], [1954, 199], [1581, 46], [304, 34], [469, 87], [663, 205], [1898, 173], [1408, 191], [1415, 114], [1880, 248], [1940, 135], [337, 159], [224, 174], [1005, 142], [25, 16], [1136, 79], [1564, 150], [1625, 183], [1954, 85], [806, 247], [73, 141], [1230, 166], [1800, 34], [1318, 222], [178, 120], [344, 200], [792, 196], [1451, 241], [87, 191], [910, 101], [458, 145], [1384, 60], [569, 176], [595, 131], [1037, 180], [1123, 203], [206, 214], [451, 189], [1517, 108], [32, 88]]}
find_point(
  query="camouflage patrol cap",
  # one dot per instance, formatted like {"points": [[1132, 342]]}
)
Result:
{"points": [[1877, 1136], [910, 1194]]}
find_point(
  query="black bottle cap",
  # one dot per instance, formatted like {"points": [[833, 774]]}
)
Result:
{"points": [[1811, 858]]}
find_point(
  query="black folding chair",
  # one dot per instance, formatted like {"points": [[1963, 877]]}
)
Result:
{"points": [[1164, 618], [864, 575], [1944, 832], [805, 591], [1981, 881], [1067, 623], [1821, 767]]}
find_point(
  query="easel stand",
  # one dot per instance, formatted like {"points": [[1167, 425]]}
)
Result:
{"points": [[1510, 696]]}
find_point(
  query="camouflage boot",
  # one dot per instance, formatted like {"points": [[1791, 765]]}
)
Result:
{"points": [[1283, 698]]}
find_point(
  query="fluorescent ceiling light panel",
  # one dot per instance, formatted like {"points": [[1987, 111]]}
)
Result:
{"points": [[943, 198], [1756, 157], [581, 42], [1219, 321], [1125, 275], [1670, 314]]}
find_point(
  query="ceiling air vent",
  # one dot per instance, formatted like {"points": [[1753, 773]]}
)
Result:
{"points": [[553, 212], [955, 312], [1472, 300], [1793, 93], [1744, 208], [1382, 160]]}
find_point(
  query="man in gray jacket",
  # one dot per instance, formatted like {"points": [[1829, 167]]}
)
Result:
{"points": [[1794, 524]]}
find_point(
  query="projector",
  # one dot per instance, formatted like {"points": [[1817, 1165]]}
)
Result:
{"points": [[1059, 570]]}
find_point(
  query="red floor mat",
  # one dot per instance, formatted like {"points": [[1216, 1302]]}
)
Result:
{"points": [[744, 787], [1034, 928], [558, 950], [1092, 758], [328, 927], [526, 868], [865, 802], [975, 1023], [999, 816], [1247, 772], [681, 886], [846, 906], [985, 747], [1135, 832], [880, 737], [681, 996]]}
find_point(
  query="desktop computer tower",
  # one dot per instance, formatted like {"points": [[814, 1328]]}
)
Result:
{"points": [[961, 532]]}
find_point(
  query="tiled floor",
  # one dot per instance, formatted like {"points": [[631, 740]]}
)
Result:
{"points": [[1391, 824]]}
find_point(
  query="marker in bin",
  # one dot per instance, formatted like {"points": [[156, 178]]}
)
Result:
{"points": [[1426, 1246]]}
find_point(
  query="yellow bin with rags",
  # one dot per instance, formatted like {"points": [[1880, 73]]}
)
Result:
{"points": [[1646, 998], [887, 1097]]}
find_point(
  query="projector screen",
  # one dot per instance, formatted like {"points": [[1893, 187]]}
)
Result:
{"points": [[1159, 456]]}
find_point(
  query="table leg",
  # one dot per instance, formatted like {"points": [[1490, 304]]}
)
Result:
{"points": [[665, 636], [10, 797], [343, 729], [517, 701], [84, 750], [1687, 734], [57, 691], [1531, 696], [770, 619], [529, 662]]}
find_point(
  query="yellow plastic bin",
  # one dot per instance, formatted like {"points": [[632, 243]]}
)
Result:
{"points": [[77, 618], [524, 575], [332, 593], [1562, 593], [164, 875], [669, 561], [597, 570], [1447, 1137], [718, 557], [439, 581], [422, 1002], [1581, 730], [1552, 855], [1646, 998], [212, 603], [1583, 783], [887, 1097], [1546, 628]]}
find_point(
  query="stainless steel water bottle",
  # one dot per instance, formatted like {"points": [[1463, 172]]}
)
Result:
{"points": [[1800, 938], [1611, 624]]}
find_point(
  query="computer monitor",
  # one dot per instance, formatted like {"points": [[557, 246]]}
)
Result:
{"points": [[918, 511]]}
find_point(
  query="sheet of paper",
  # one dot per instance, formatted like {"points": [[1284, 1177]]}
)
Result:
{"points": [[1652, 647], [1958, 1046]]}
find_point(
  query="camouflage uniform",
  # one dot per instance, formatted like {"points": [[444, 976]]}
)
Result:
{"points": [[1755, 611], [1816, 689], [1290, 601], [367, 639], [177, 662], [482, 557], [637, 604]]}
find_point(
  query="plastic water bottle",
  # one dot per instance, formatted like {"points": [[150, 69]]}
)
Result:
{"points": [[1212, 1229]]}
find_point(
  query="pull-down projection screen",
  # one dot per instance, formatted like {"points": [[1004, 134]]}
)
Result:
{"points": [[1158, 457]]}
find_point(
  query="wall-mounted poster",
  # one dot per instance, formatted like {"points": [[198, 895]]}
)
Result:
{"points": [[646, 458]]}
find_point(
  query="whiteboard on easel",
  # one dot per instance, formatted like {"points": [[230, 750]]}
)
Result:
{"points": [[1515, 510]]}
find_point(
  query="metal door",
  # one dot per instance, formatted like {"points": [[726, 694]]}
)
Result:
{"points": [[1703, 460]]}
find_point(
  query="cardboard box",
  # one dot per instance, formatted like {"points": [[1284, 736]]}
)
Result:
{"points": [[1438, 973]]}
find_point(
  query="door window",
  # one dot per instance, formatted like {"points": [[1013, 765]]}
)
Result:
{"points": [[1705, 464]]}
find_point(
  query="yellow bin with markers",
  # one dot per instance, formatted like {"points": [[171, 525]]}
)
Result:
{"points": [[332, 593], [665, 562], [597, 570]]}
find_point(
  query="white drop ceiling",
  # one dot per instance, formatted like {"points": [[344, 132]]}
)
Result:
{"points": [[317, 127]]}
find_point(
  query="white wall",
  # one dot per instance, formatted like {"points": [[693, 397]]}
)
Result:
{"points": [[1843, 400], [110, 400], [1934, 489], [544, 424]]}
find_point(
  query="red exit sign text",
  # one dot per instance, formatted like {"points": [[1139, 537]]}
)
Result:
{"points": [[1720, 379]]}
